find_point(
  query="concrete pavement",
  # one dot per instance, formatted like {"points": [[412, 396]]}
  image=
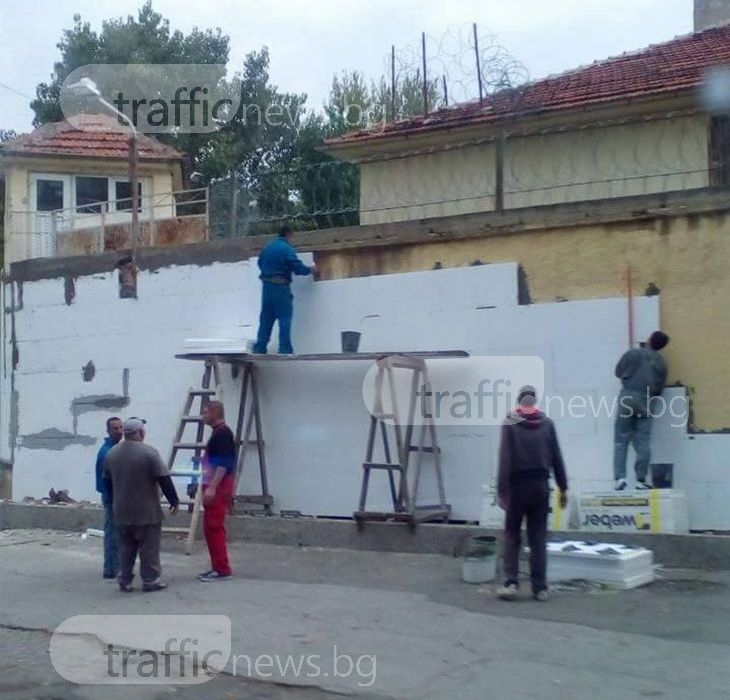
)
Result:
{"points": [[417, 630]]}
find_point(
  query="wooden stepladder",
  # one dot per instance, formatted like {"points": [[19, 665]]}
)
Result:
{"points": [[386, 418], [190, 418], [249, 431]]}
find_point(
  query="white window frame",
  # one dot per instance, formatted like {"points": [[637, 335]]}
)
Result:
{"points": [[111, 190]]}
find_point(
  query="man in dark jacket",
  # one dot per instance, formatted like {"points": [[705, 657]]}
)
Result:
{"points": [[111, 556], [528, 453], [135, 474], [278, 261], [643, 374]]}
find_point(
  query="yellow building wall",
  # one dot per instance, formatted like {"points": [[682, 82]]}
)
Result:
{"points": [[685, 257], [159, 179], [643, 157], [434, 184], [662, 155]]}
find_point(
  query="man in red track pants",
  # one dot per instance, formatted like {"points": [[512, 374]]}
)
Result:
{"points": [[219, 475]]}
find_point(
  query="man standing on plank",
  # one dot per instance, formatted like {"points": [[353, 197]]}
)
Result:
{"points": [[278, 261]]}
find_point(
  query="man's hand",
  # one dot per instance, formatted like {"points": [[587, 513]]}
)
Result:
{"points": [[563, 499], [315, 272], [503, 502], [208, 496], [173, 510]]}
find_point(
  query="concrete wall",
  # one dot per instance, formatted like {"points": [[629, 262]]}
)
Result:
{"points": [[314, 419], [684, 257], [158, 183], [661, 155]]}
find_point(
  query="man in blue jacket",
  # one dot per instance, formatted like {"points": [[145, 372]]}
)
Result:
{"points": [[278, 261], [111, 559]]}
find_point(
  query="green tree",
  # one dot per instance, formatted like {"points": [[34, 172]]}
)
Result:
{"points": [[328, 190], [249, 158], [144, 39]]}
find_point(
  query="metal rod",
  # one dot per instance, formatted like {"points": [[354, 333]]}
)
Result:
{"points": [[446, 92], [630, 301], [392, 81], [425, 77], [479, 67]]}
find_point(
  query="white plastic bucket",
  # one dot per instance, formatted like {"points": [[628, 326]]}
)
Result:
{"points": [[478, 569]]}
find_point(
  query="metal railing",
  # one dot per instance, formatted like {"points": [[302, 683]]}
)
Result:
{"points": [[169, 218]]}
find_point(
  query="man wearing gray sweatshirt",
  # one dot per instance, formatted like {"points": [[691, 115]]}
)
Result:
{"points": [[643, 373], [528, 454]]}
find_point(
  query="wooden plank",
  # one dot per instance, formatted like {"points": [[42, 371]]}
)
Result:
{"points": [[382, 465], [243, 358]]}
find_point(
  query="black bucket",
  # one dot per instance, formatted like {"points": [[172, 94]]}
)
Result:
{"points": [[662, 476], [350, 341]]}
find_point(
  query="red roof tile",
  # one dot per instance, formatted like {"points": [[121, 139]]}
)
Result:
{"points": [[675, 66], [87, 135]]}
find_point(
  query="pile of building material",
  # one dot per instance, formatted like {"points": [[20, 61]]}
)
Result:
{"points": [[614, 565], [657, 510]]}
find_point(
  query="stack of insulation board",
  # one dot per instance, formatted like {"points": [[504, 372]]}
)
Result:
{"points": [[614, 565], [215, 346], [657, 510]]}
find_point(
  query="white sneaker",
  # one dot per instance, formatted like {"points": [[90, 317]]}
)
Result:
{"points": [[642, 486], [620, 484], [508, 592]]}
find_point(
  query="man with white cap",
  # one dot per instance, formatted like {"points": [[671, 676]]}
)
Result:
{"points": [[136, 473]]}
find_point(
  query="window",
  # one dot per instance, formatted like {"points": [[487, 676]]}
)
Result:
{"points": [[123, 195], [49, 195], [90, 193], [720, 151]]}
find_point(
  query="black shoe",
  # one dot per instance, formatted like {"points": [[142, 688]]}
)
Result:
{"points": [[126, 587], [154, 586]]}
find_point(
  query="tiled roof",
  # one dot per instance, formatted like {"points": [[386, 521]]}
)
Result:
{"points": [[87, 135], [675, 66]]}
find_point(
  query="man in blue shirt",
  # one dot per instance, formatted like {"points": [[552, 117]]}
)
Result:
{"points": [[277, 262], [111, 559]]}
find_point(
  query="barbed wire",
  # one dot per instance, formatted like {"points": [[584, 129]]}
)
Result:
{"points": [[462, 65], [553, 166]]}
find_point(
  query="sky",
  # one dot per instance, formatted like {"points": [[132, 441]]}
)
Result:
{"points": [[310, 40]]}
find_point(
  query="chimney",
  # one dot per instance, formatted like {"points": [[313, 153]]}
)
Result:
{"points": [[709, 13]]}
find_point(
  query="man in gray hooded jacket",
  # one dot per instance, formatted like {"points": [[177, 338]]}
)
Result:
{"points": [[528, 453], [643, 373]]}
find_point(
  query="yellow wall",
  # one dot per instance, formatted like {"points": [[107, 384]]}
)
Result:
{"points": [[435, 184], [581, 164], [159, 179], [685, 257]]}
